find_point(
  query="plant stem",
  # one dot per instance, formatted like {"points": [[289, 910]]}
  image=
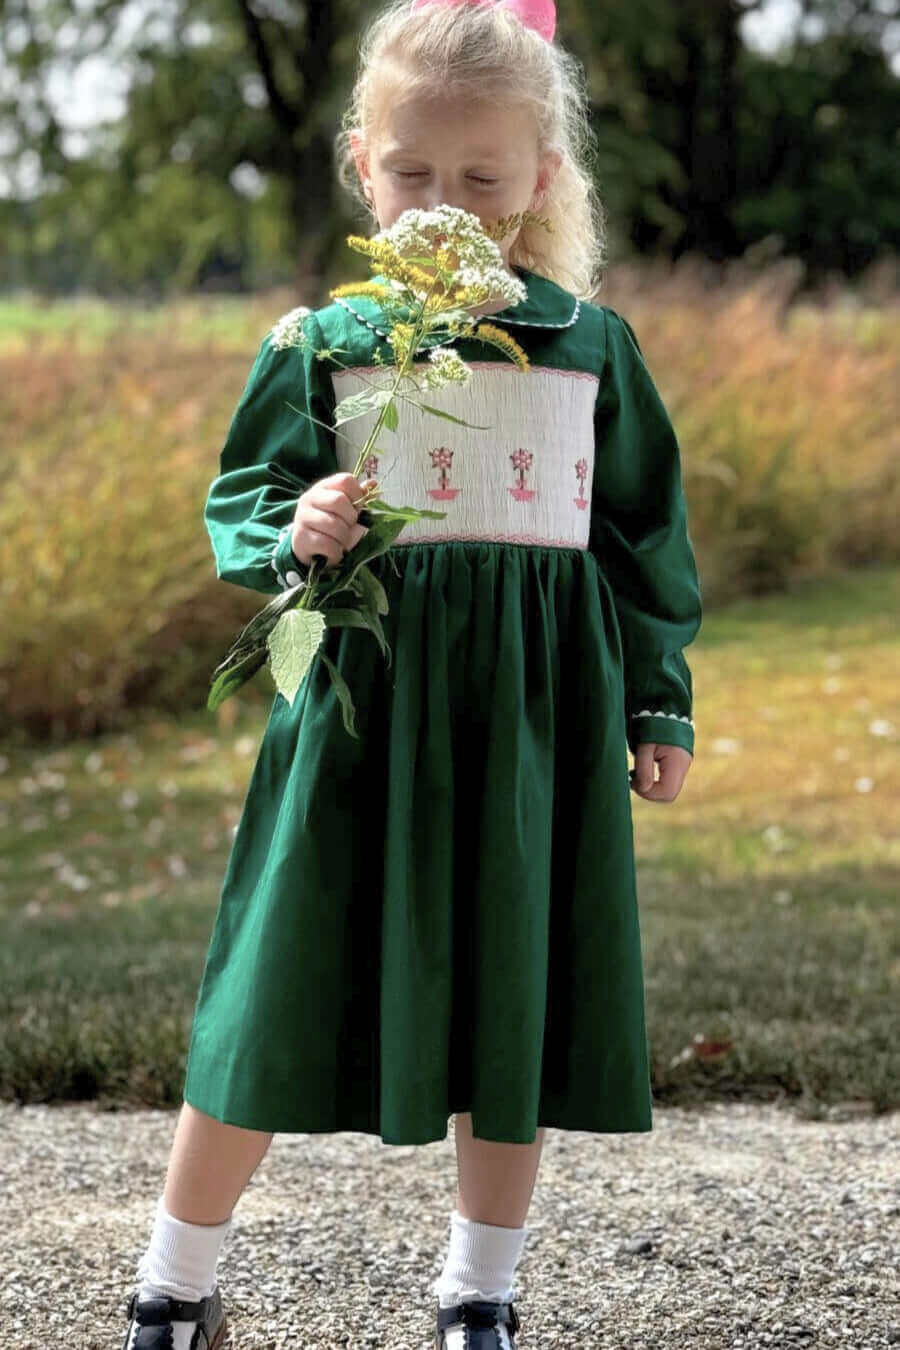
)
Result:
{"points": [[305, 601], [401, 372]]}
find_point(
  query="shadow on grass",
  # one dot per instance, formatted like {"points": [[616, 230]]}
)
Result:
{"points": [[789, 1000], [764, 990]]}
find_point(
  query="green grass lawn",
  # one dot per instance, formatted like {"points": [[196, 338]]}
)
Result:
{"points": [[768, 890]]}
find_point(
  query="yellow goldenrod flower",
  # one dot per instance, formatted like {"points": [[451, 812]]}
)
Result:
{"points": [[363, 245], [370, 288], [496, 336], [500, 228], [400, 338], [462, 297], [391, 263]]}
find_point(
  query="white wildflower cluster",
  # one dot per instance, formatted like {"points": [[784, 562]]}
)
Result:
{"points": [[497, 280], [288, 331], [449, 368], [480, 258]]}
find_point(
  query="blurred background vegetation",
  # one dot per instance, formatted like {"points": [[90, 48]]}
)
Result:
{"points": [[167, 190], [212, 165]]}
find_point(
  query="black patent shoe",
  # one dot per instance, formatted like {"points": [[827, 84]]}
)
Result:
{"points": [[150, 1325], [481, 1321]]}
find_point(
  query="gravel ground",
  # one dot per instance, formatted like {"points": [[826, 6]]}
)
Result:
{"points": [[727, 1227]]}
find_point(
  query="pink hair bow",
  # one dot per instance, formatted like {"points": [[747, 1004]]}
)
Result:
{"points": [[537, 14]]}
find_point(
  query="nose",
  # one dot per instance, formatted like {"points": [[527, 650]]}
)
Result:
{"points": [[442, 197]]}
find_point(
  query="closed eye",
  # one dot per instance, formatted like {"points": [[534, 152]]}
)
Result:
{"points": [[420, 174]]}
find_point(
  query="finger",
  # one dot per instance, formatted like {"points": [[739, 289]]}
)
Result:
{"points": [[673, 767], [354, 490], [346, 483], [331, 502], [319, 543], [367, 493], [666, 787], [643, 767], [328, 522]]}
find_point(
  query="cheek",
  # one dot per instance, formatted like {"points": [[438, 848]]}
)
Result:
{"points": [[397, 196]]}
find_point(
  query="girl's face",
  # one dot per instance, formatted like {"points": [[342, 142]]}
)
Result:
{"points": [[472, 155]]}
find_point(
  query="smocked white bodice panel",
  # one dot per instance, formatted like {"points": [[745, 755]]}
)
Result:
{"points": [[526, 479]]}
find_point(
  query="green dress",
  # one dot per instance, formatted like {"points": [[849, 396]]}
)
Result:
{"points": [[441, 916]]}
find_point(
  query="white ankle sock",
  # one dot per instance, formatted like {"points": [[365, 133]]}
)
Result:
{"points": [[481, 1263], [180, 1260]]}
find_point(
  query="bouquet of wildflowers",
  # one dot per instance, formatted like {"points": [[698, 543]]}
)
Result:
{"points": [[438, 264]]}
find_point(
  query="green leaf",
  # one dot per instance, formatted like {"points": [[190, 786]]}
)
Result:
{"points": [[391, 416], [293, 643], [439, 412], [357, 405], [353, 589], [402, 512], [370, 606], [373, 589], [249, 650], [233, 676], [343, 692], [309, 416], [377, 540], [253, 635], [345, 618], [355, 618]]}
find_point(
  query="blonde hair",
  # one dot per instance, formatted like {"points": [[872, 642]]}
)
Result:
{"points": [[479, 50]]}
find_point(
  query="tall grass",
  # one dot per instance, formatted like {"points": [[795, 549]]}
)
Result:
{"points": [[112, 418], [788, 415]]}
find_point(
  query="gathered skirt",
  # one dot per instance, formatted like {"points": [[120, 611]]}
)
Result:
{"points": [[440, 916]]}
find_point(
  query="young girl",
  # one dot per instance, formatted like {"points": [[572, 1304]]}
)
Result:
{"points": [[440, 917]]}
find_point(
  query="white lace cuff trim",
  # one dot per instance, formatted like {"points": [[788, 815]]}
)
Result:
{"points": [[649, 712]]}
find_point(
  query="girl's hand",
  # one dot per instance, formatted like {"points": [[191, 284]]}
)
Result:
{"points": [[673, 766], [325, 521]]}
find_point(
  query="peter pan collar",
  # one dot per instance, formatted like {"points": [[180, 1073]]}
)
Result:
{"points": [[546, 305]]}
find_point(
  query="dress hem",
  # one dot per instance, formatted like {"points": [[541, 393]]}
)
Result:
{"points": [[551, 1120]]}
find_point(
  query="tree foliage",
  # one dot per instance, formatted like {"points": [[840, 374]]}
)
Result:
{"points": [[218, 171]]}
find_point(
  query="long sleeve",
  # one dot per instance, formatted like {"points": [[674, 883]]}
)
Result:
{"points": [[639, 537], [271, 456]]}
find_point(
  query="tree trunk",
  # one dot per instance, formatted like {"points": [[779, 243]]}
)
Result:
{"points": [[711, 42], [311, 210]]}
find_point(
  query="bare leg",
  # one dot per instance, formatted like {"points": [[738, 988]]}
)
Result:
{"points": [[209, 1167], [496, 1180]]}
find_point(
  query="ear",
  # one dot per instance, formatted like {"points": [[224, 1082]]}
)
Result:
{"points": [[360, 154], [549, 168]]}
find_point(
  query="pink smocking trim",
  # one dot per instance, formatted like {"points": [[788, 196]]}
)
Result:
{"points": [[492, 539], [483, 365]]}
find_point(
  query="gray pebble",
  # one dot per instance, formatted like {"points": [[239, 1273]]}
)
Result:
{"points": [[764, 1230]]}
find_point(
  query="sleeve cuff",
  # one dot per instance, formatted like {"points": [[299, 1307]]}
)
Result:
{"points": [[660, 728], [289, 570]]}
